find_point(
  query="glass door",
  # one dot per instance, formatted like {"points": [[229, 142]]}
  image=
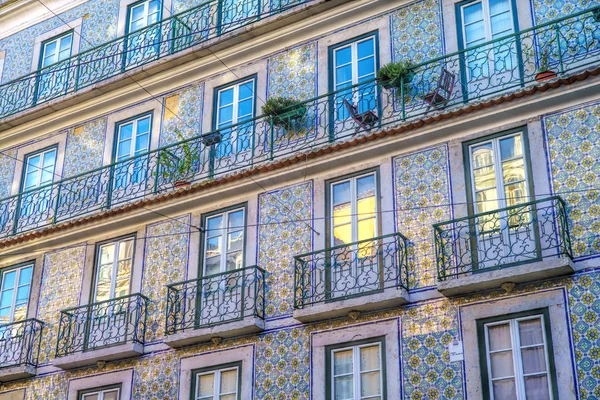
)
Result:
{"points": [[38, 173], [53, 79], [143, 32], [237, 13]]}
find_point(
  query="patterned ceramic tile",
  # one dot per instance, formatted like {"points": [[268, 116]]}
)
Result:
{"points": [[422, 195], [183, 115], [7, 171], [293, 73], [279, 241], [61, 288], [166, 257], [416, 32], [573, 140], [547, 10], [98, 27], [156, 377], [85, 147]]}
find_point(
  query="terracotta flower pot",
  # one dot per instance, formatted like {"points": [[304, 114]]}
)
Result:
{"points": [[545, 76], [180, 184]]}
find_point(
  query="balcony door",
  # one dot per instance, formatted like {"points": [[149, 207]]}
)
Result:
{"points": [[487, 69], [237, 13], [110, 317], [500, 180], [53, 78], [223, 255], [35, 206], [143, 32], [15, 286], [354, 265]]}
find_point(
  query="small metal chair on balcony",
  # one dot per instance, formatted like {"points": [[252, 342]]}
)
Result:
{"points": [[364, 120], [442, 94]]}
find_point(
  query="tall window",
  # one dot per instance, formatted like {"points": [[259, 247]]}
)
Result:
{"points": [[56, 49], [15, 286], [143, 44], [39, 170], [516, 359], [224, 241], [133, 139], [113, 269], [236, 13], [53, 81], [217, 383], [353, 63], [356, 371], [143, 14], [235, 105], [107, 393]]}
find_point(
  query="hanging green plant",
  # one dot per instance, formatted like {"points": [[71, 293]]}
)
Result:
{"points": [[395, 74], [179, 166], [284, 112]]}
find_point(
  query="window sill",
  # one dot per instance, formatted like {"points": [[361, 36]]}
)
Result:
{"points": [[244, 326], [483, 280], [17, 372], [91, 357]]}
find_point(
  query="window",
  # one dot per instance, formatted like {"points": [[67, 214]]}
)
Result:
{"points": [[39, 170], [218, 383], [106, 393], [234, 106], [113, 269], [53, 81], [15, 286], [224, 241], [356, 371], [143, 44], [516, 363], [143, 14], [236, 13], [353, 63], [132, 140], [56, 49]]}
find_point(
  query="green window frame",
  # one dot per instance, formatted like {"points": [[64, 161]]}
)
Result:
{"points": [[119, 258], [101, 392], [516, 350], [217, 370], [356, 346]]}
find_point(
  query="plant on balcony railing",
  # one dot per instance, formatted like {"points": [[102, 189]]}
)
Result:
{"points": [[106, 323], [179, 169], [445, 82], [20, 343], [394, 75], [169, 36], [523, 233], [283, 112], [215, 299], [350, 270]]}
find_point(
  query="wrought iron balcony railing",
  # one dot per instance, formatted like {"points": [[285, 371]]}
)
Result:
{"points": [[169, 36], [215, 299], [523, 233], [99, 325], [351, 270], [574, 43], [20, 343]]}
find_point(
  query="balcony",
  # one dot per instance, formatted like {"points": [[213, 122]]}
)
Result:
{"points": [[522, 243], [173, 35], [19, 349], [103, 331], [362, 276], [572, 44], [222, 305]]}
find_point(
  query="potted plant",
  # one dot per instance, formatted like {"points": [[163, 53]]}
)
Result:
{"points": [[395, 74], [544, 72], [283, 112], [210, 138], [178, 168]]}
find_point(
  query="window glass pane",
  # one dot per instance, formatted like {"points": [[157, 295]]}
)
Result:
{"points": [[343, 74], [341, 214], [246, 91], [125, 249], [365, 48], [226, 97], [234, 261], [343, 387], [513, 170], [7, 297], [502, 364], [511, 147], [366, 230], [498, 6], [515, 193], [236, 219], [474, 33], [473, 13], [225, 115], [229, 381], [213, 266], [205, 385], [343, 56], [22, 294], [228, 397], [505, 389], [25, 276], [111, 395], [342, 362], [370, 384], [499, 337], [367, 207], [125, 131], [366, 67], [214, 225], [49, 158], [530, 332], [369, 358], [536, 387], [9, 279], [92, 396], [342, 234], [141, 143], [341, 193], [482, 155], [213, 246], [365, 186], [534, 360], [235, 240], [487, 200]]}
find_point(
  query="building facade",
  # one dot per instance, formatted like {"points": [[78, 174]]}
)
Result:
{"points": [[299, 199]]}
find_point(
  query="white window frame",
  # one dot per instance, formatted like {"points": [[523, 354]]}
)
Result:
{"points": [[354, 60], [356, 372], [101, 393], [235, 118], [516, 347], [115, 264], [487, 20], [42, 154], [16, 288], [217, 382], [146, 15], [134, 137], [224, 232], [58, 40]]}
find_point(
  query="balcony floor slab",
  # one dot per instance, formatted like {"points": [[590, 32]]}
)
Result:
{"points": [[484, 280], [391, 297], [17, 372], [91, 357], [244, 326]]}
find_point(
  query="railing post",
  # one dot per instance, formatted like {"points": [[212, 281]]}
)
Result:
{"points": [[271, 140], [402, 101], [243, 298], [560, 55], [57, 203]]}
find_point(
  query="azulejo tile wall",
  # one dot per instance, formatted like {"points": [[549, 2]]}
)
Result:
{"points": [[85, 147], [280, 238], [422, 198], [166, 260], [573, 141], [185, 116], [61, 288], [547, 10], [8, 159], [293, 73], [99, 26], [416, 32]]}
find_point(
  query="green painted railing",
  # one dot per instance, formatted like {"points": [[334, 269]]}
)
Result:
{"points": [[574, 44], [20, 343], [523, 233], [351, 270], [169, 36]]}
